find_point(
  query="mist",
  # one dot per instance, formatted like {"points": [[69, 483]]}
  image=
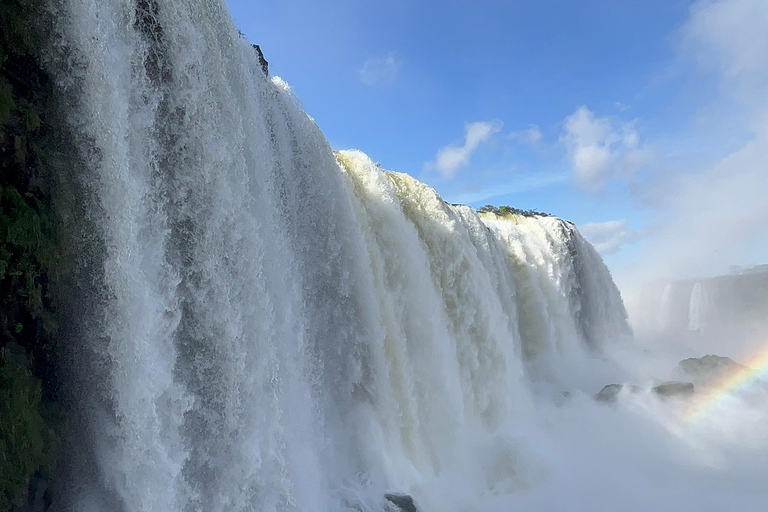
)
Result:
{"points": [[641, 452], [705, 187], [695, 286]]}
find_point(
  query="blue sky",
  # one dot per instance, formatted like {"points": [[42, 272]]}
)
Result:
{"points": [[642, 121]]}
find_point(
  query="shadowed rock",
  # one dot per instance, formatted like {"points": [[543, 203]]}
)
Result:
{"points": [[704, 370], [610, 392], [402, 501], [262, 60]]}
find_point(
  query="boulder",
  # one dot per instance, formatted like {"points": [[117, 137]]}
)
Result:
{"points": [[402, 501], [704, 370], [610, 392]]}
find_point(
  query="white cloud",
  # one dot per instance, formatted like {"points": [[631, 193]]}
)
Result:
{"points": [[530, 136], [379, 71], [599, 150], [730, 36], [608, 237], [621, 107], [450, 159]]}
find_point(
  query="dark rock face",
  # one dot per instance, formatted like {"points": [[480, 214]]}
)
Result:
{"points": [[262, 60], [674, 388], [32, 144], [39, 495], [402, 501], [15, 353], [610, 393]]}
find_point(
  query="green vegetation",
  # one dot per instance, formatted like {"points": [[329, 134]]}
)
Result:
{"points": [[26, 248], [28, 143], [504, 211], [27, 442]]}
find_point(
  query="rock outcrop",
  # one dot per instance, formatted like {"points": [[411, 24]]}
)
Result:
{"points": [[705, 370], [611, 392], [674, 389], [666, 389], [262, 60], [403, 502]]}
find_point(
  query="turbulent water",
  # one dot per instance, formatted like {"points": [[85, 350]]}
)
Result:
{"points": [[257, 323]]}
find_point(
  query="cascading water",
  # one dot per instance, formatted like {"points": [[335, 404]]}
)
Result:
{"points": [[256, 323], [696, 318]]}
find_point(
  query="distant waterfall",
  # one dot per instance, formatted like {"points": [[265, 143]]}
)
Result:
{"points": [[259, 324], [723, 313], [665, 308], [695, 313]]}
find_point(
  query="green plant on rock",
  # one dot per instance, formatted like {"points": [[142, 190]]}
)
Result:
{"points": [[504, 211]]}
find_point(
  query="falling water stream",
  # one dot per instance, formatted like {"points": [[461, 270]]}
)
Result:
{"points": [[257, 323]]}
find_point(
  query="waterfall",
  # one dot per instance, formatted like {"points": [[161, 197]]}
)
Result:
{"points": [[257, 323], [695, 313], [665, 308]]}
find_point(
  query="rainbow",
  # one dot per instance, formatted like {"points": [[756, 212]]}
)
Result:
{"points": [[730, 383]]}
